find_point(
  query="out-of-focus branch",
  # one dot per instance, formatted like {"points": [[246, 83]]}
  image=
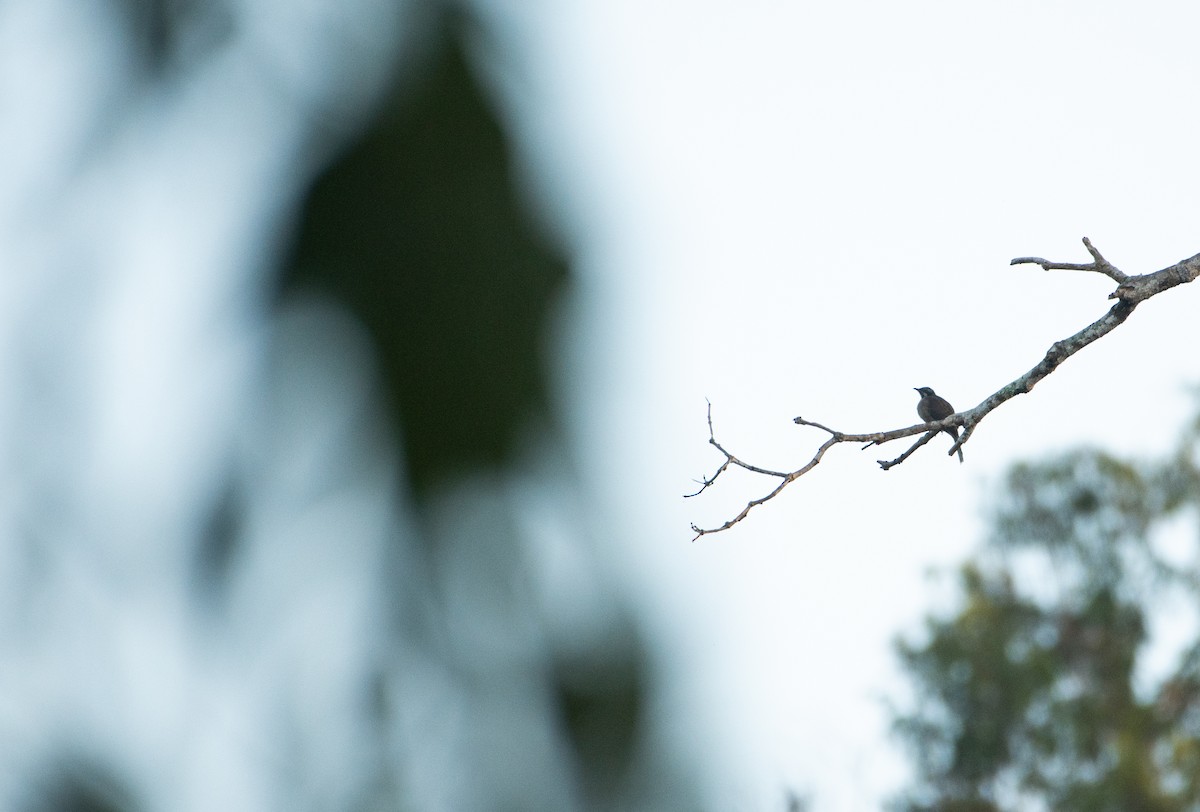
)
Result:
{"points": [[1130, 291]]}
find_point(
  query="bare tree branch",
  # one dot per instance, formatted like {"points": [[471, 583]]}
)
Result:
{"points": [[1130, 292], [1098, 264]]}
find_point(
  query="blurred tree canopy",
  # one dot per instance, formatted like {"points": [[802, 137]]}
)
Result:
{"points": [[1036, 693], [418, 230]]}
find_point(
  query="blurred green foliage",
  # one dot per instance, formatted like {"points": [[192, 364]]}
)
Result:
{"points": [[1029, 694], [78, 783], [418, 229]]}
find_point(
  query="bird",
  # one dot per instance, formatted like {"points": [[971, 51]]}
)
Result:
{"points": [[933, 407]]}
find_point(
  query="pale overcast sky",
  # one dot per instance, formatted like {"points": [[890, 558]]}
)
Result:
{"points": [[809, 208]]}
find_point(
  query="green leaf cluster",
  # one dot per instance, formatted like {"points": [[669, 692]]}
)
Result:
{"points": [[1034, 692]]}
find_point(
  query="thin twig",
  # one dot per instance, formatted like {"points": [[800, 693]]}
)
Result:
{"points": [[1098, 264], [929, 435], [787, 478]]}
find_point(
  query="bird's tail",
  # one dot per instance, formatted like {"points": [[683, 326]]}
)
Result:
{"points": [[954, 433]]}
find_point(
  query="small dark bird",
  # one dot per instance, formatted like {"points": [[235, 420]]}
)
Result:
{"points": [[931, 407]]}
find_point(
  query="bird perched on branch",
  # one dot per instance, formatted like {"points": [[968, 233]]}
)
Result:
{"points": [[932, 407]]}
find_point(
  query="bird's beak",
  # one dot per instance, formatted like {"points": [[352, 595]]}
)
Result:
{"points": [[915, 389]]}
